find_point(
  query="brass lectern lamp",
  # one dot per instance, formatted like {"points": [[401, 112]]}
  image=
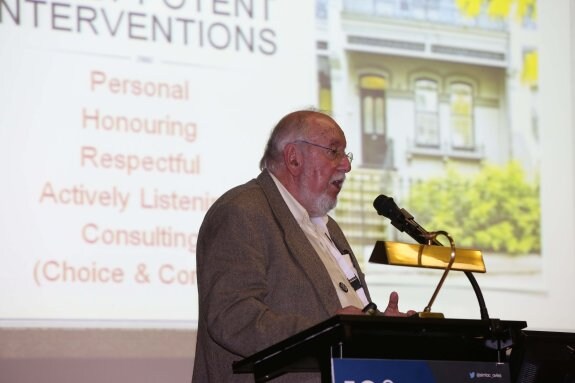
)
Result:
{"points": [[430, 253]]}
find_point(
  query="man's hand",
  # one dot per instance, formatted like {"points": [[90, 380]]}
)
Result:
{"points": [[392, 309], [349, 310]]}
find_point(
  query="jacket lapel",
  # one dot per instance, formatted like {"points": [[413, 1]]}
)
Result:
{"points": [[298, 245], [343, 246]]}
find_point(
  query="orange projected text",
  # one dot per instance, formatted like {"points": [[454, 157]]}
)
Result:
{"points": [[170, 275], [174, 201], [156, 237], [79, 195], [133, 162], [100, 81], [62, 271], [165, 126]]}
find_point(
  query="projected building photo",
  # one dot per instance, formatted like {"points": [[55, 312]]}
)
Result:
{"points": [[438, 101]]}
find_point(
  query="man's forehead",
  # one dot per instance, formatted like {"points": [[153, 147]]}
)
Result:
{"points": [[328, 132]]}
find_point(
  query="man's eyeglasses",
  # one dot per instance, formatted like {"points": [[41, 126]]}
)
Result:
{"points": [[334, 154]]}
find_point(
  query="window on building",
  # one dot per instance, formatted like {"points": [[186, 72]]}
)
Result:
{"points": [[461, 105], [321, 9], [426, 113]]}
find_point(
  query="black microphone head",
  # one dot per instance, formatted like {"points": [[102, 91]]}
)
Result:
{"points": [[387, 207]]}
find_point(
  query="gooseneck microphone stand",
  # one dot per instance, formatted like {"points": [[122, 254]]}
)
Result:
{"points": [[405, 222]]}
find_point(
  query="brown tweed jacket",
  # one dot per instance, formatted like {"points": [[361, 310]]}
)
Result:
{"points": [[259, 280]]}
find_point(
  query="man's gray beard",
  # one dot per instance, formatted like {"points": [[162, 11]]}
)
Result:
{"points": [[326, 204], [322, 205]]}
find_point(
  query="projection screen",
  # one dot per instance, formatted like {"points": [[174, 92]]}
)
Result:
{"points": [[122, 121]]}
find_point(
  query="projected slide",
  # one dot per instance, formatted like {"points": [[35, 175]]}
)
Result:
{"points": [[122, 121], [120, 124]]}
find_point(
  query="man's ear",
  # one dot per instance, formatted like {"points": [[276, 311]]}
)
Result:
{"points": [[292, 159]]}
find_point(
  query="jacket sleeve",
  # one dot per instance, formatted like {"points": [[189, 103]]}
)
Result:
{"points": [[252, 293]]}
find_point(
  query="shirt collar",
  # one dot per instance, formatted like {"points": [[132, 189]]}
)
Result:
{"points": [[299, 212]]}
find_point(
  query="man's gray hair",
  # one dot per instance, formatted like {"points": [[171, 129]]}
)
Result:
{"points": [[293, 126]]}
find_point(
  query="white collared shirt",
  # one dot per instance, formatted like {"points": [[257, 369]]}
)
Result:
{"points": [[339, 266]]}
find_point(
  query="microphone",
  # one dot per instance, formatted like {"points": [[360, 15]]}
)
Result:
{"points": [[405, 222], [402, 220]]}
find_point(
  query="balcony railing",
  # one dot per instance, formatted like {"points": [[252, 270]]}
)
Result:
{"points": [[444, 12]]}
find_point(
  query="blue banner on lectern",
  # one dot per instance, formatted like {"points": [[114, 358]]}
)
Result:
{"points": [[350, 370]]}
